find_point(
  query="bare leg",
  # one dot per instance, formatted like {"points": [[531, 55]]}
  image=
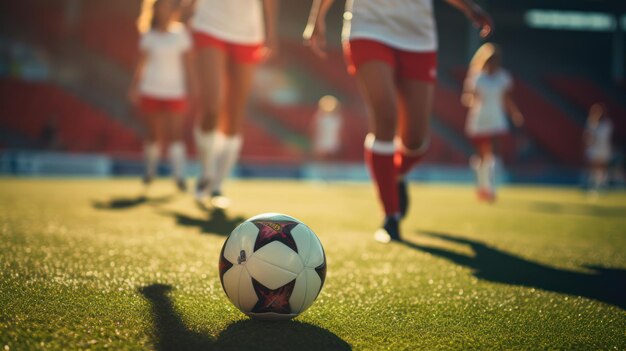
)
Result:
{"points": [[239, 83]]}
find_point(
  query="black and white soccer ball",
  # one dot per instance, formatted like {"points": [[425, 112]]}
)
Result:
{"points": [[272, 266]]}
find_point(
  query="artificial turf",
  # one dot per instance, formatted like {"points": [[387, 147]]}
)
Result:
{"points": [[91, 264]]}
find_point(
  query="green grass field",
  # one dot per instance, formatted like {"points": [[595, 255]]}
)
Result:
{"points": [[87, 264]]}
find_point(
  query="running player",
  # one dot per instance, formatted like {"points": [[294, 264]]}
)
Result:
{"points": [[597, 140], [391, 47], [231, 37], [162, 82], [487, 93]]}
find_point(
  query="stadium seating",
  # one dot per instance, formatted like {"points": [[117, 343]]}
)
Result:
{"points": [[79, 126], [582, 92]]}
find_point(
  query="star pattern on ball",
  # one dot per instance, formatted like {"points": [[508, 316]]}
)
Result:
{"points": [[276, 300], [270, 231]]}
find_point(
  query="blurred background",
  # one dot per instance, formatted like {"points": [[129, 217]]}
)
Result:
{"points": [[65, 67]]}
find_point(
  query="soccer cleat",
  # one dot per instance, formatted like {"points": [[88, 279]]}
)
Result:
{"points": [[181, 184], [219, 201], [389, 231], [486, 195], [202, 187], [403, 198], [147, 179]]}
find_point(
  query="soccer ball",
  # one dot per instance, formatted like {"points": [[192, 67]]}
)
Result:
{"points": [[272, 266]]}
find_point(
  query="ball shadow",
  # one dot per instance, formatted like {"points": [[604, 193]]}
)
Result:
{"points": [[171, 333]]}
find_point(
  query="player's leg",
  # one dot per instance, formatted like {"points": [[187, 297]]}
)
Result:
{"points": [[176, 151], [211, 68], [486, 170], [376, 81], [415, 106], [239, 83], [152, 118]]}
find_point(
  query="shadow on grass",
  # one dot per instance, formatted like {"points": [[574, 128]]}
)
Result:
{"points": [[563, 208], [124, 203], [218, 221], [171, 333], [603, 284]]}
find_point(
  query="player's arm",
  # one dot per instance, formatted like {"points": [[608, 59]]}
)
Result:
{"points": [[270, 10], [315, 31], [511, 107], [133, 90], [469, 92], [476, 14]]}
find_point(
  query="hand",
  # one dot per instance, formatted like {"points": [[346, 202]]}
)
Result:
{"points": [[481, 19], [317, 40]]}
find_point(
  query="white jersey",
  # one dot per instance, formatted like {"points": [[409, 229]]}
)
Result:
{"points": [[599, 147], [164, 71], [407, 25], [233, 21], [487, 115], [327, 132]]}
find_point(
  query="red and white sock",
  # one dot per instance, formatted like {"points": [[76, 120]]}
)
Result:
{"points": [[379, 156], [405, 159]]}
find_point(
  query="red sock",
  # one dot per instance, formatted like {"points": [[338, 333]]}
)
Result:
{"points": [[405, 159], [383, 171]]}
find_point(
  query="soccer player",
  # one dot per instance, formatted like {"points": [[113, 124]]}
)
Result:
{"points": [[487, 93], [162, 84], [597, 139], [391, 48], [231, 37], [327, 124]]}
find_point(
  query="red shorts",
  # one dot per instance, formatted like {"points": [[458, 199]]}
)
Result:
{"points": [[239, 52], [151, 105], [480, 140], [407, 64]]}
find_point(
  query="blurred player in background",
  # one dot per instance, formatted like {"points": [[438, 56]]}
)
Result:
{"points": [[162, 84], [487, 94], [391, 47], [231, 37], [327, 124], [597, 140]]}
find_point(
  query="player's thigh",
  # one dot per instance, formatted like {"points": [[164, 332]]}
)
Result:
{"points": [[239, 83], [154, 126], [211, 63], [175, 124], [376, 81], [416, 101]]}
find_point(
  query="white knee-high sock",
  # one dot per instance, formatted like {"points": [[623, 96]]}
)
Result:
{"points": [[230, 147], [487, 174], [178, 159], [205, 142], [151, 157]]}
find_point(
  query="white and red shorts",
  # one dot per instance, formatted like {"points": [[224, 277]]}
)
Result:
{"points": [[420, 66], [239, 52], [151, 105]]}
